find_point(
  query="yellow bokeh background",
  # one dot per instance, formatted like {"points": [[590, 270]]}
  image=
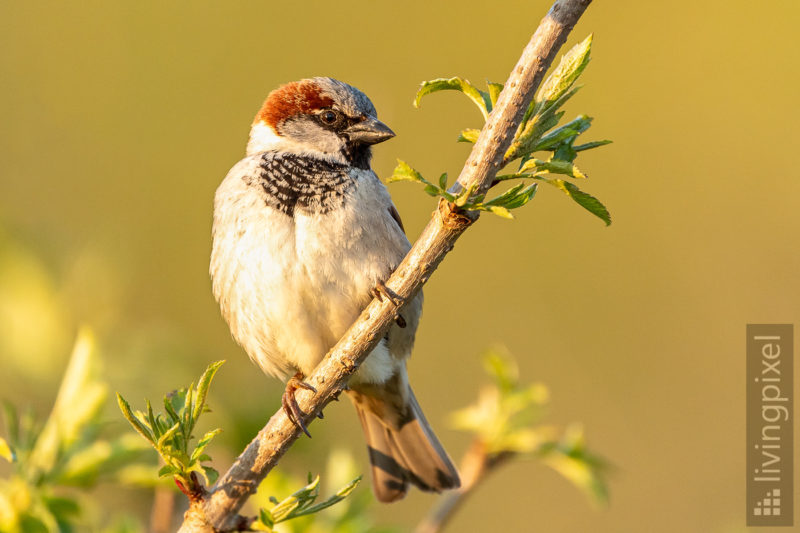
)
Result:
{"points": [[121, 118]]}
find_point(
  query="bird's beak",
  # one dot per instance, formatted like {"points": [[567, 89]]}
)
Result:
{"points": [[369, 131]]}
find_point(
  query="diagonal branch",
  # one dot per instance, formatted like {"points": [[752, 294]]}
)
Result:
{"points": [[219, 510]]}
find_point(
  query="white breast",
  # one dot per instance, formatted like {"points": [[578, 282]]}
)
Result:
{"points": [[289, 287]]}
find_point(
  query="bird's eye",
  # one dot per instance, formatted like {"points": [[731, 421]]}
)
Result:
{"points": [[328, 116]]}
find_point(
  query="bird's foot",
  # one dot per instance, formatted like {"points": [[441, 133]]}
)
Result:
{"points": [[289, 402], [381, 291]]}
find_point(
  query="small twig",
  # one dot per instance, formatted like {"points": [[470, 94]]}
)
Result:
{"points": [[219, 511], [475, 466]]}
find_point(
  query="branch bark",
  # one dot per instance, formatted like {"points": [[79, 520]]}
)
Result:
{"points": [[219, 511]]}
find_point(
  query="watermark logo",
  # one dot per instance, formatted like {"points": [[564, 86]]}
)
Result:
{"points": [[770, 425], [770, 505]]}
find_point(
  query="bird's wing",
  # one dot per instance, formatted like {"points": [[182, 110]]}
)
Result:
{"points": [[396, 216]]}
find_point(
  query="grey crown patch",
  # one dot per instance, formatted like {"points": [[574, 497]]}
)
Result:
{"points": [[292, 181]]}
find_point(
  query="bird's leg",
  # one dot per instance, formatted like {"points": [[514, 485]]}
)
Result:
{"points": [[381, 291], [289, 402]]}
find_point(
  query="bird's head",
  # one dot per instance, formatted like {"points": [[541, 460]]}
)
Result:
{"points": [[320, 116]]}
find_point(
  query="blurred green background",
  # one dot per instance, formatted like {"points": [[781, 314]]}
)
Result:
{"points": [[121, 118]]}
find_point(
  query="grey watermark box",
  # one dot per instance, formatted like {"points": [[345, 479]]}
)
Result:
{"points": [[770, 425]]}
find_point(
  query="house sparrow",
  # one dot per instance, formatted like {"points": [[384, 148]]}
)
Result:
{"points": [[304, 236]]}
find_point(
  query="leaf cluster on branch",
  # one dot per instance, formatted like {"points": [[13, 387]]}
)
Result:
{"points": [[171, 435], [506, 421], [537, 132]]}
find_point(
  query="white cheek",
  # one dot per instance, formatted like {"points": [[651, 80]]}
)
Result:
{"points": [[263, 138]]}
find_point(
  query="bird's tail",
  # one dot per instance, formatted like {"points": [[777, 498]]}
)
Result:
{"points": [[402, 446]]}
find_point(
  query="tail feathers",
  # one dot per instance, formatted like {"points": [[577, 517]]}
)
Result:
{"points": [[403, 449], [389, 477]]}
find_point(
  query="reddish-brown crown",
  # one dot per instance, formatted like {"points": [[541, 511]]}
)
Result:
{"points": [[291, 99]]}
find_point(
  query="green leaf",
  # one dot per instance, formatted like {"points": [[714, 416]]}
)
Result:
{"points": [[432, 190], [168, 470], [531, 134], [503, 369], [479, 98], [590, 145], [528, 136], [78, 404], [125, 407], [340, 495], [572, 128], [522, 441], [210, 474], [350, 487], [515, 176], [404, 172], [565, 152], [63, 509], [203, 386], [463, 196], [553, 167], [570, 458], [188, 421], [6, 451], [494, 92], [168, 434], [162, 425], [469, 135], [540, 125], [265, 518], [203, 442], [501, 211], [506, 196], [544, 109], [174, 403], [152, 419], [567, 72], [85, 465], [524, 196], [587, 201], [281, 511]]}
